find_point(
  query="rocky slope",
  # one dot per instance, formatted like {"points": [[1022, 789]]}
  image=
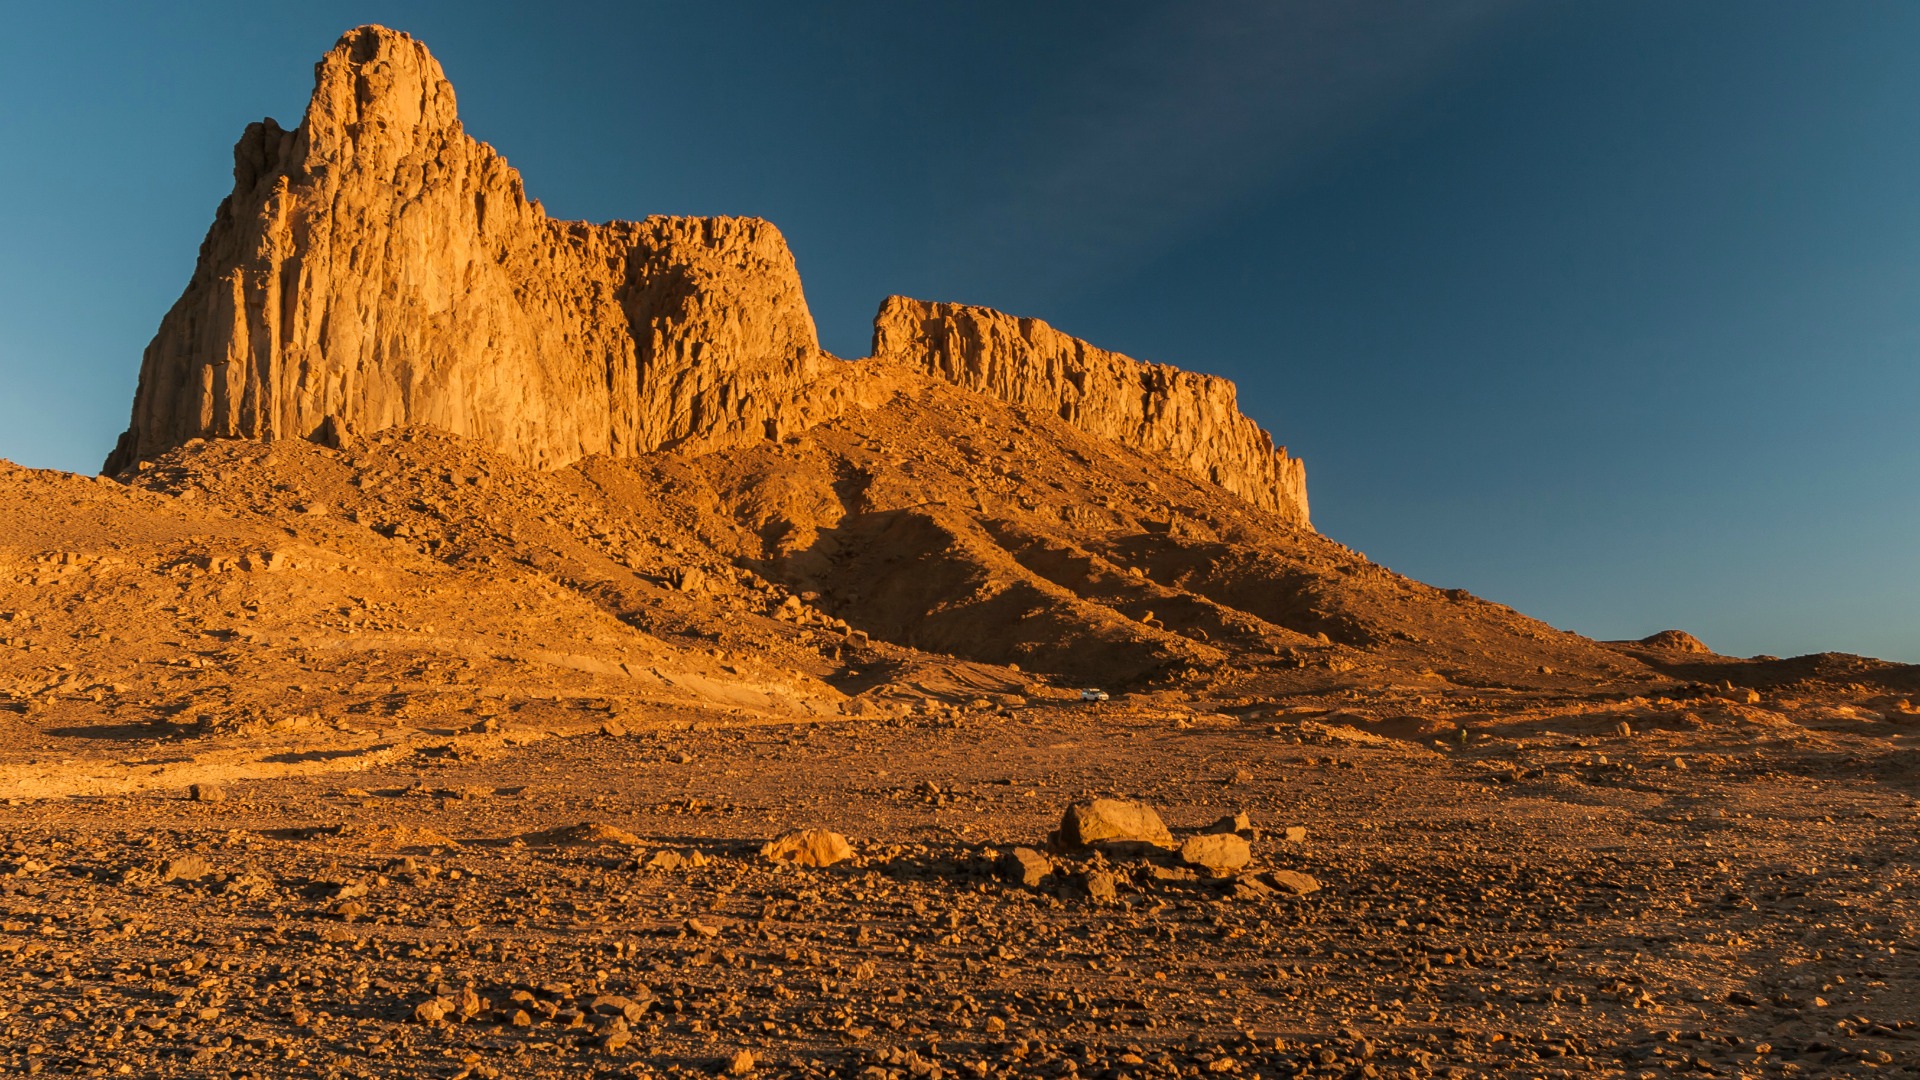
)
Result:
{"points": [[1193, 419]]}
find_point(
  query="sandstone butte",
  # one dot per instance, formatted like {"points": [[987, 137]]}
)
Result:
{"points": [[376, 267]]}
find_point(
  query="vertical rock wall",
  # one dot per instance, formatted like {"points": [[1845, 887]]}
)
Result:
{"points": [[1193, 419], [376, 266]]}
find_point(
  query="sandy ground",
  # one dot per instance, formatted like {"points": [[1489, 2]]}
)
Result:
{"points": [[1712, 892], [487, 759]]}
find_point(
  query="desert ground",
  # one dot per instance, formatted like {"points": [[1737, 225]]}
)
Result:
{"points": [[509, 647], [310, 770]]}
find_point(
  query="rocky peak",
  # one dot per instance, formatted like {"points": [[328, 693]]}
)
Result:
{"points": [[377, 267], [377, 95]]}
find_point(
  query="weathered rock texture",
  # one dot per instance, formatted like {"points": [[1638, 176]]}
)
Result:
{"points": [[1194, 419], [377, 266]]}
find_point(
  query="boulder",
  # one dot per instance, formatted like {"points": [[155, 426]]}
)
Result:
{"points": [[1025, 866], [185, 868], [808, 847], [1219, 854], [1093, 822], [1293, 881]]}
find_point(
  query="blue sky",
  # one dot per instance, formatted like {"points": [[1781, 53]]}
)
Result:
{"points": [[1605, 311]]}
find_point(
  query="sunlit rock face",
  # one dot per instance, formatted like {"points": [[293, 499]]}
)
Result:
{"points": [[1193, 419]]}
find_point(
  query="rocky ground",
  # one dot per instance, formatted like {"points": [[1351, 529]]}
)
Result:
{"points": [[488, 760], [1640, 889], [759, 743]]}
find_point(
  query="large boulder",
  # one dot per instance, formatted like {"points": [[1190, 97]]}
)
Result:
{"points": [[1099, 822]]}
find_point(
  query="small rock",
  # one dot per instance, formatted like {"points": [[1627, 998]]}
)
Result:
{"points": [[674, 860], [1241, 776], [1100, 886], [681, 758], [615, 1005], [1294, 834], [185, 868], [1025, 866], [808, 847], [700, 929], [1247, 888], [432, 1010], [1233, 823], [1106, 821], [208, 792], [584, 833], [1219, 854], [741, 1064], [1293, 881]]}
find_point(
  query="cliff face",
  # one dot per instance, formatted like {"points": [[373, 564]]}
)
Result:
{"points": [[377, 266], [1193, 419]]}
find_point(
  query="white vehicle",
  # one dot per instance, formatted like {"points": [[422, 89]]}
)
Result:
{"points": [[1093, 695]]}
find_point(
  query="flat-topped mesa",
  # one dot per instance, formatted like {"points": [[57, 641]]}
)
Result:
{"points": [[1193, 419], [376, 266]]}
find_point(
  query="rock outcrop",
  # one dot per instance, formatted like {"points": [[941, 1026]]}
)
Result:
{"points": [[377, 266], [1193, 419]]}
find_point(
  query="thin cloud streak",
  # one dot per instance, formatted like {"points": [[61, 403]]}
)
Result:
{"points": [[1188, 113]]}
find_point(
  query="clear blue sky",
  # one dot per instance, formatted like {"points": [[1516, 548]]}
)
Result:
{"points": [[1605, 311]]}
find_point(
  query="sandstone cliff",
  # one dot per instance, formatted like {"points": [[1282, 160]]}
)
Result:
{"points": [[1193, 419], [377, 266]]}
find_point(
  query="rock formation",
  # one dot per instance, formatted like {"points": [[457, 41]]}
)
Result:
{"points": [[377, 266], [1191, 418]]}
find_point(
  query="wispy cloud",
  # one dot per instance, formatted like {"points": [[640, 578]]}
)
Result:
{"points": [[1186, 113]]}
